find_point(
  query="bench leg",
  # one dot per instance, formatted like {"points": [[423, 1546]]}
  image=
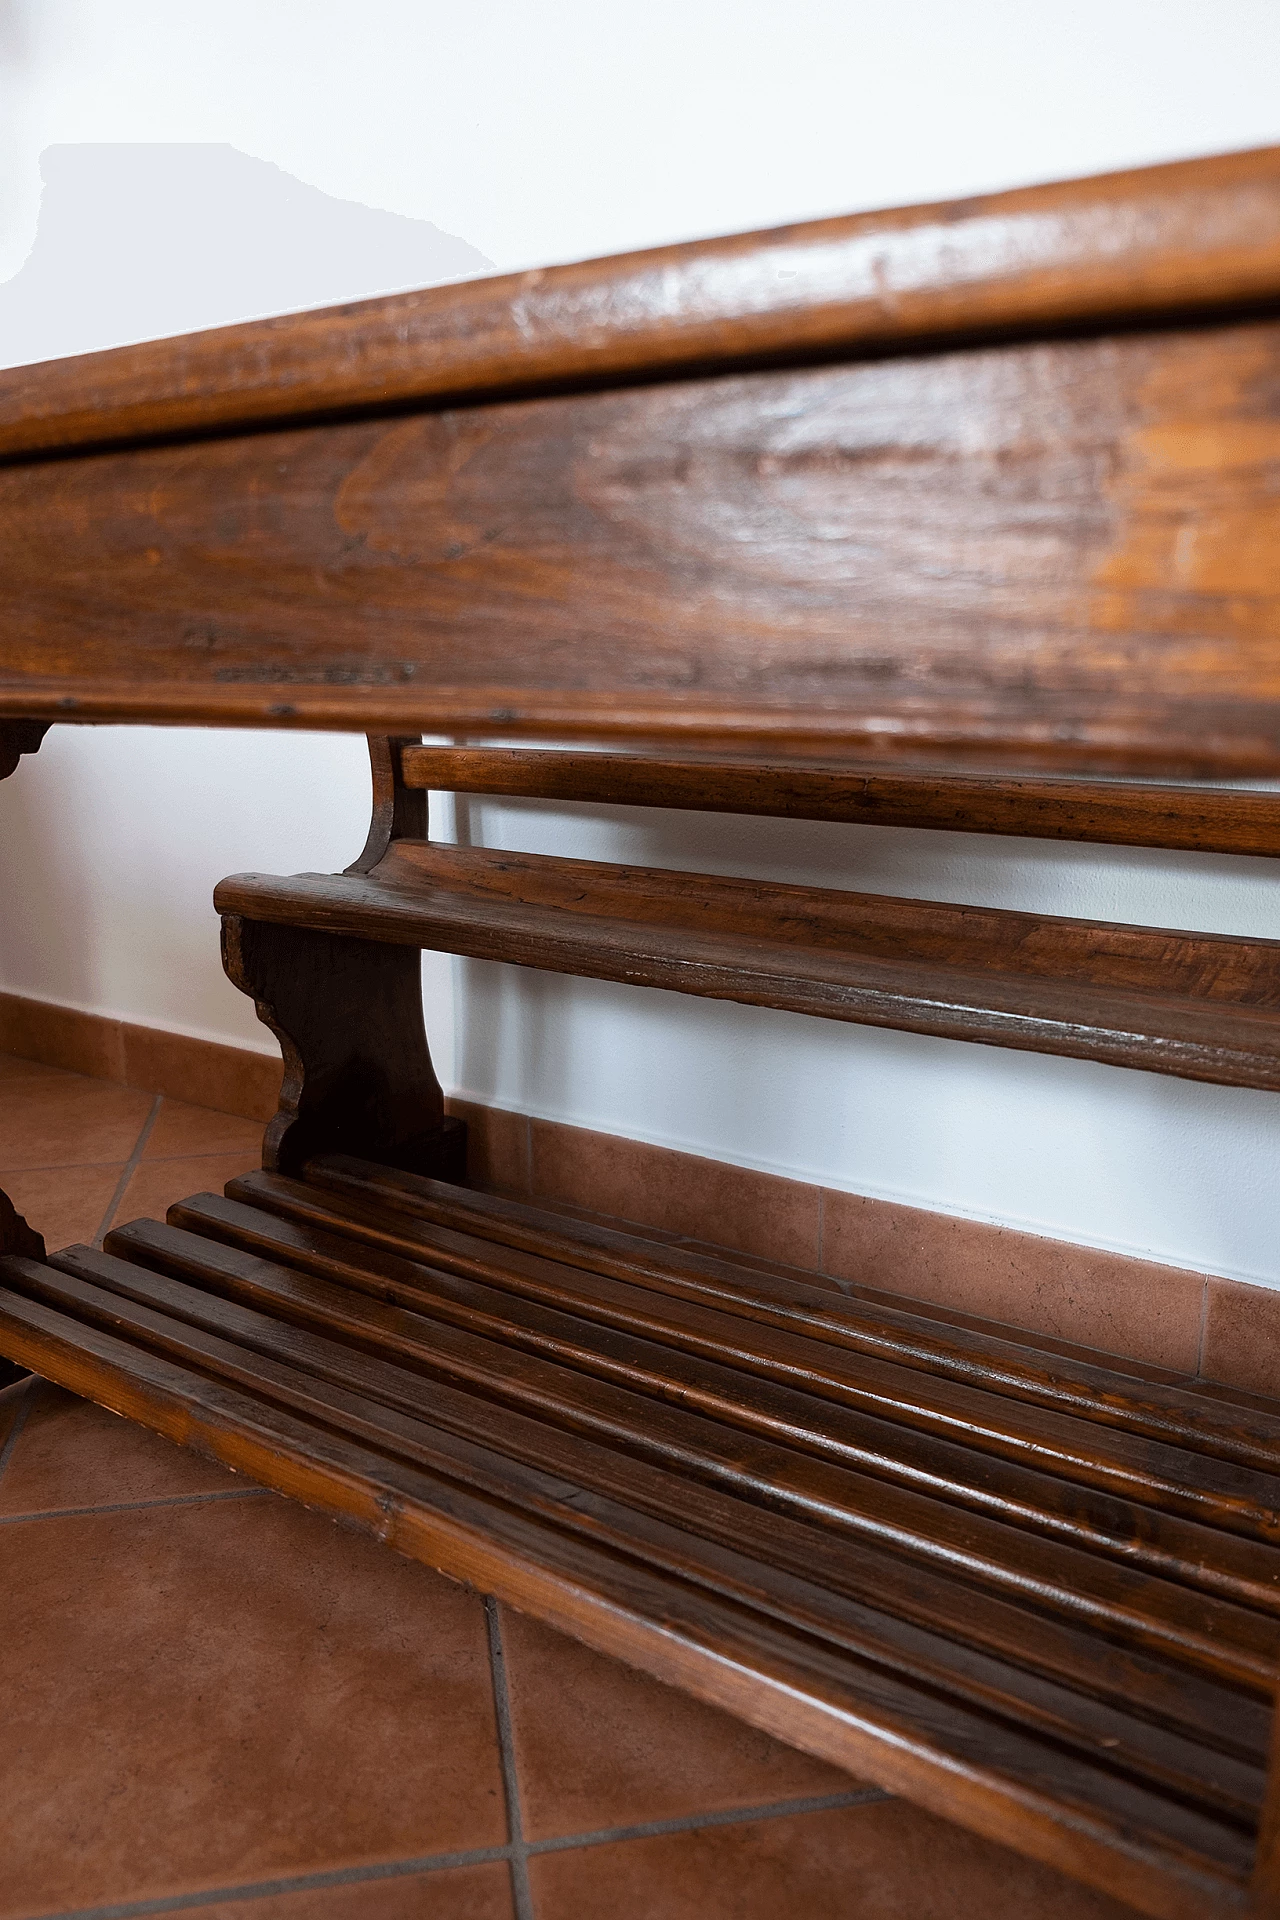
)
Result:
{"points": [[358, 1077], [16, 738]]}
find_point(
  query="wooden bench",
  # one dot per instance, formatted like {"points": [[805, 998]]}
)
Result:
{"points": [[957, 547]]}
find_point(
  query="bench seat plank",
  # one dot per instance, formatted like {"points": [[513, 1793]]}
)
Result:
{"points": [[1202, 1006]]}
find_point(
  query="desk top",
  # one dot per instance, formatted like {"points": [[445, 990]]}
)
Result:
{"points": [[991, 477]]}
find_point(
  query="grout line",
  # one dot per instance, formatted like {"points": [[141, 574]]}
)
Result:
{"points": [[60, 1166], [725, 1817], [471, 1857], [19, 1421], [130, 1168], [521, 1893], [126, 1506], [299, 1883], [1204, 1321]]}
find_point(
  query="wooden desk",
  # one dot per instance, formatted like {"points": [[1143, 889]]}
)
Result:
{"points": [[963, 516]]}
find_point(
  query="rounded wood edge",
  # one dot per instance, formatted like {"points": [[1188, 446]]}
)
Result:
{"points": [[1188, 237]]}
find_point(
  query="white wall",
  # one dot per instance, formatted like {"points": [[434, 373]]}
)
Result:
{"points": [[329, 151]]}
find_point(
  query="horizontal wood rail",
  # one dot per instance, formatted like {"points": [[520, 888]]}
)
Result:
{"points": [[1202, 819], [1202, 1006], [1194, 236], [1039, 1590]]}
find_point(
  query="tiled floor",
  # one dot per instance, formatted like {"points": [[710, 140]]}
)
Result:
{"points": [[214, 1700]]}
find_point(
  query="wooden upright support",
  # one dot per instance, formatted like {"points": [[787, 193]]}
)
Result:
{"points": [[358, 1076]]}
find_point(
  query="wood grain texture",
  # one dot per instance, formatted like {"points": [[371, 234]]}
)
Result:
{"points": [[1196, 235], [1081, 1673], [443, 1225], [1202, 1006], [1061, 551], [357, 1068], [1124, 813]]}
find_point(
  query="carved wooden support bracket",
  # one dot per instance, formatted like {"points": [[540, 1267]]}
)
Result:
{"points": [[358, 1076], [16, 738]]}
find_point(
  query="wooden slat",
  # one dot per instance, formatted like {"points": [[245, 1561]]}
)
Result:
{"points": [[1247, 1573], [797, 1551], [1205, 1007], [1212, 1635], [1230, 1724], [1176, 1862], [382, 1206], [1199, 818], [1182, 238], [876, 1401]]}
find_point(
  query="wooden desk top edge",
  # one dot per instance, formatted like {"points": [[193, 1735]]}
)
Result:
{"points": [[1189, 238]]}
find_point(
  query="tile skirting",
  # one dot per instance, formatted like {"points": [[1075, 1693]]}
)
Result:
{"points": [[205, 1073], [1189, 1325]]}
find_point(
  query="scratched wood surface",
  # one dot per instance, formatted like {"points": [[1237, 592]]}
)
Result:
{"points": [[1060, 549]]}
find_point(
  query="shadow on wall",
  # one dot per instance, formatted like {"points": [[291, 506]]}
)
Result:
{"points": [[136, 242]]}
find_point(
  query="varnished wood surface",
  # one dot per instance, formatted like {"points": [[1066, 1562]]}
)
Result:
{"points": [[1061, 550], [667, 1463], [1130, 813], [1183, 238], [1202, 1006], [1000, 1379]]}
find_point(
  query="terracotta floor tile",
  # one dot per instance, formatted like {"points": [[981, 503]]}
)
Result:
{"points": [[66, 1204], [215, 1694], [68, 1121], [181, 1130], [159, 1183], [600, 1745], [452, 1893], [882, 1862], [73, 1454], [14, 1067]]}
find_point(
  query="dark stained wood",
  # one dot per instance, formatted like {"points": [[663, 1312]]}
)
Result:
{"points": [[1195, 235], [16, 738], [1205, 1007], [399, 811], [850, 1443], [357, 1070], [1102, 1828], [1019, 1401], [1045, 1659], [913, 514], [1058, 551], [1156, 1752], [1137, 814]]}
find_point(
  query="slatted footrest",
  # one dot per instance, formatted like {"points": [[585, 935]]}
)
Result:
{"points": [[1003, 1580]]}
